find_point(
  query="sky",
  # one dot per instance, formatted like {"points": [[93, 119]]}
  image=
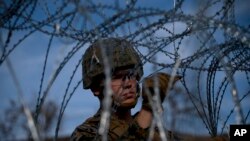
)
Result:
{"points": [[28, 59]]}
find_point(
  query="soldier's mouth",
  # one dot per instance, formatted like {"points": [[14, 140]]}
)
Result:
{"points": [[128, 95]]}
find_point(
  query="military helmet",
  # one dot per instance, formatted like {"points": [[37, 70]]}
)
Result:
{"points": [[119, 52]]}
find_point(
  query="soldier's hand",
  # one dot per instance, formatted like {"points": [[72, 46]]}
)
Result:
{"points": [[148, 84]]}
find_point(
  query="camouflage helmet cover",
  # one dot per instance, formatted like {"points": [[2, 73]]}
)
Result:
{"points": [[120, 53]]}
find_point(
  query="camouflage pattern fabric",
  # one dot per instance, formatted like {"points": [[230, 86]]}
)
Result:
{"points": [[119, 130]]}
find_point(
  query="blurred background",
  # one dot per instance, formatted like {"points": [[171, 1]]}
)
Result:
{"points": [[42, 43]]}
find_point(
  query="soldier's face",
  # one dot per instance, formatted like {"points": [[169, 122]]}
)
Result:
{"points": [[123, 85]]}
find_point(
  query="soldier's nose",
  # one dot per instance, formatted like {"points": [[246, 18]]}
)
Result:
{"points": [[127, 86]]}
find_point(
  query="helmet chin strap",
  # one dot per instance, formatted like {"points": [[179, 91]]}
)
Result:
{"points": [[138, 91], [115, 106]]}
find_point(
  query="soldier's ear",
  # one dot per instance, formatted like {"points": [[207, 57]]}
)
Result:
{"points": [[97, 87], [96, 91]]}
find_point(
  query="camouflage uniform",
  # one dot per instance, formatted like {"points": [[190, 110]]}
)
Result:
{"points": [[119, 130]]}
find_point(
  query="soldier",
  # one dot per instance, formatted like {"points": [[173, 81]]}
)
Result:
{"points": [[126, 71]]}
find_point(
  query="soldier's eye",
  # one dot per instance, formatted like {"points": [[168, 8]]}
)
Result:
{"points": [[124, 74]]}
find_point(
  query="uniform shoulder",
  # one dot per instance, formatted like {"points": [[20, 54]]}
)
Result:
{"points": [[87, 130]]}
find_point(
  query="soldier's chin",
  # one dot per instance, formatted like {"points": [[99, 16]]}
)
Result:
{"points": [[128, 104]]}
